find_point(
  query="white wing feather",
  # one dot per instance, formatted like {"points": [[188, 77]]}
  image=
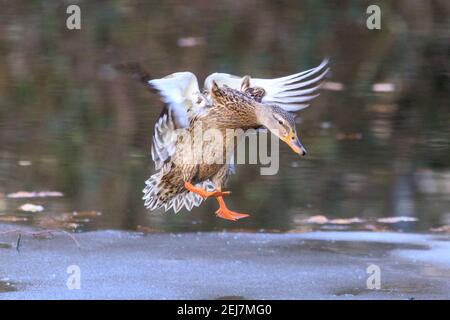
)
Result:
{"points": [[180, 93], [290, 92]]}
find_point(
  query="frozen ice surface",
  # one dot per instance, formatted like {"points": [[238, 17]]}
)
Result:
{"points": [[317, 265]]}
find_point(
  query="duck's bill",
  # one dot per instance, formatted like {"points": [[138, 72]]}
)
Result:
{"points": [[293, 142]]}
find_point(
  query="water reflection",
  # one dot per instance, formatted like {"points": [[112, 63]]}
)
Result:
{"points": [[378, 137]]}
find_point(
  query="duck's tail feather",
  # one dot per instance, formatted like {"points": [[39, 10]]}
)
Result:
{"points": [[158, 193]]}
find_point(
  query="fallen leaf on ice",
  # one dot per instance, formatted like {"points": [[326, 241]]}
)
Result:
{"points": [[319, 219], [41, 194], [383, 87], [396, 219], [333, 86], [346, 221], [29, 207]]}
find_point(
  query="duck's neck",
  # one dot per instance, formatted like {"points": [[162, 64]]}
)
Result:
{"points": [[263, 114], [253, 116]]}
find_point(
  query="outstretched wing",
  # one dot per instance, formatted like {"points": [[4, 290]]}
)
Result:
{"points": [[181, 95], [292, 93]]}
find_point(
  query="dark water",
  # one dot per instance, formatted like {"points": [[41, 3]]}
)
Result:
{"points": [[70, 123]]}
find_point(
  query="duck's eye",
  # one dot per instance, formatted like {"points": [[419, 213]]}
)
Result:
{"points": [[279, 120]]}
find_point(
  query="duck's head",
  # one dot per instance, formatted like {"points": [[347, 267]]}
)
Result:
{"points": [[282, 124]]}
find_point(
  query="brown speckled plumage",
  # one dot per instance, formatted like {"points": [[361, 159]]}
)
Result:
{"points": [[231, 109]]}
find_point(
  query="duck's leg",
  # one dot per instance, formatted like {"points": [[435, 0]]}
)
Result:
{"points": [[225, 213], [203, 193]]}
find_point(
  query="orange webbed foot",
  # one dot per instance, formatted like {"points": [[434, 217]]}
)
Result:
{"points": [[223, 212], [227, 214]]}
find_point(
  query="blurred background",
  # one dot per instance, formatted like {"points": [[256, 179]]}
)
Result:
{"points": [[378, 136]]}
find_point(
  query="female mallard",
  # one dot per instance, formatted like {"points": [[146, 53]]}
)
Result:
{"points": [[226, 103]]}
